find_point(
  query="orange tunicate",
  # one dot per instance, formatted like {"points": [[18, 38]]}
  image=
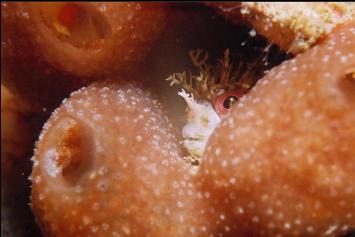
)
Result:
{"points": [[108, 164], [52, 49], [282, 162]]}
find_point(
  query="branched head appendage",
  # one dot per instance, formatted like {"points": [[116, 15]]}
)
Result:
{"points": [[212, 81]]}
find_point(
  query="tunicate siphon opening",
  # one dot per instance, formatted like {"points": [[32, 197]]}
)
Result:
{"points": [[79, 25], [66, 152]]}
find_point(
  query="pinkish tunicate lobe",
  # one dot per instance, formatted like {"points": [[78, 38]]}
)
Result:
{"points": [[108, 164], [44, 60], [282, 162]]}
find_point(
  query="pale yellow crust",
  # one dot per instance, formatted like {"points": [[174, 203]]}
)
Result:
{"points": [[294, 26]]}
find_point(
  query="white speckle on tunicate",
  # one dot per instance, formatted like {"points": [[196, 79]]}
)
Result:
{"points": [[38, 179], [50, 163], [167, 211], [231, 122], [280, 215], [80, 113], [287, 225], [157, 192], [252, 33], [224, 163], [102, 170], [235, 161], [259, 122], [331, 229], [345, 227], [300, 94], [78, 189], [94, 229], [227, 228], [283, 82], [343, 59], [256, 219], [269, 211], [327, 74], [307, 113], [97, 117], [115, 234], [310, 229], [41, 196], [180, 204], [298, 221], [122, 140], [105, 226], [126, 230], [175, 184], [325, 58], [232, 180], [264, 197], [86, 220]]}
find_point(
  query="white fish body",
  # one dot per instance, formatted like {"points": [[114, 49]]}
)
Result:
{"points": [[202, 119]]}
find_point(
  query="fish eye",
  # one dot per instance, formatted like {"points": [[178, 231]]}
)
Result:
{"points": [[224, 102], [229, 101]]}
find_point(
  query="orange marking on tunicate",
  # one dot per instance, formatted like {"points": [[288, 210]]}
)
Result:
{"points": [[69, 149], [68, 14]]}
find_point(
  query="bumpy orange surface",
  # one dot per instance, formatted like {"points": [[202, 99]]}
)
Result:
{"points": [[51, 49], [107, 164], [282, 162]]}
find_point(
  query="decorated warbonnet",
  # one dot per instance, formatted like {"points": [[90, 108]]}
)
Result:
{"points": [[210, 94]]}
